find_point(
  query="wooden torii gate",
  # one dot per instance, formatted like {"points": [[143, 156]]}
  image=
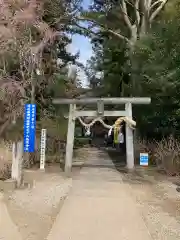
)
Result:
{"points": [[100, 112]]}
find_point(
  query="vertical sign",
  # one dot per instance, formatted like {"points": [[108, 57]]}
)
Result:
{"points": [[144, 158], [43, 149], [29, 127]]}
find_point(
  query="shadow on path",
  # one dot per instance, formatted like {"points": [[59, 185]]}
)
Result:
{"points": [[118, 158]]}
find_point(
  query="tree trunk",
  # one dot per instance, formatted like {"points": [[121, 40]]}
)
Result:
{"points": [[130, 50], [144, 27]]}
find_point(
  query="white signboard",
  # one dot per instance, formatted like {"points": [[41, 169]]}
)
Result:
{"points": [[144, 159], [43, 148]]}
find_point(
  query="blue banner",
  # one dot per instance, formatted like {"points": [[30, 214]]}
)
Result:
{"points": [[29, 127]]}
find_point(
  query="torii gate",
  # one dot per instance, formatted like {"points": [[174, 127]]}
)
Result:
{"points": [[100, 112]]}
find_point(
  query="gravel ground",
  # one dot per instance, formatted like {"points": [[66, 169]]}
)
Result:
{"points": [[34, 210], [159, 203]]}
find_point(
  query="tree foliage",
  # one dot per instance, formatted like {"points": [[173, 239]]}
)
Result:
{"points": [[157, 75], [128, 20], [154, 67], [33, 38], [121, 24], [132, 40]]}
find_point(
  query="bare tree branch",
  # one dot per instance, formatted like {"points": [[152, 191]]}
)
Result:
{"points": [[88, 31], [155, 3], [148, 3], [125, 15], [156, 12], [120, 36], [136, 7], [145, 12]]}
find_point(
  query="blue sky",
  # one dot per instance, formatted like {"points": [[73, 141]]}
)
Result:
{"points": [[83, 45]]}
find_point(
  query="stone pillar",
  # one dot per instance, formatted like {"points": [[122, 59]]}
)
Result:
{"points": [[17, 162], [70, 140], [129, 140]]}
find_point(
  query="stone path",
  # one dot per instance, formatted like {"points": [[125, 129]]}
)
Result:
{"points": [[99, 207]]}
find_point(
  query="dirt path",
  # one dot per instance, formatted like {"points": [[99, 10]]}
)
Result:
{"points": [[107, 204], [99, 206], [8, 230], [34, 210]]}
